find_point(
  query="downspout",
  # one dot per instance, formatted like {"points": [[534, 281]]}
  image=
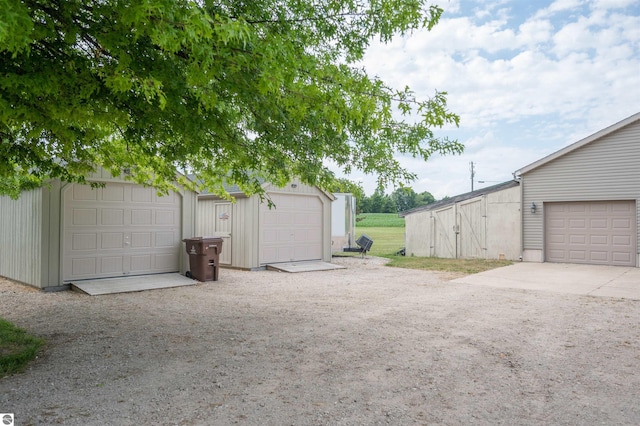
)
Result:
{"points": [[521, 180], [457, 226]]}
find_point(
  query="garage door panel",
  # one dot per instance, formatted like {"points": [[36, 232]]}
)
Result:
{"points": [[84, 242], [84, 217], [622, 257], [84, 266], [166, 217], [598, 232], [112, 240], [113, 192], [292, 230], [140, 240], [110, 265], [577, 224], [171, 198], [141, 263], [84, 193], [598, 239], [621, 224], [599, 223], [127, 237], [577, 255], [622, 240], [141, 217], [573, 239], [599, 256], [141, 194], [112, 217], [284, 218]]}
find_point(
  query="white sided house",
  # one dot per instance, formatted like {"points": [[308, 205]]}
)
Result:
{"points": [[297, 228], [587, 200], [63, 233], [483, 224]]}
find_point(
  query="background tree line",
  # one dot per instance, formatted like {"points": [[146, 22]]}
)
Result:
{"points": [[402, 199]]}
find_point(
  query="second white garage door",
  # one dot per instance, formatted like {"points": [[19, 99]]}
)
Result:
{"points": [[292, 230], [596, 232], [119, 230]]}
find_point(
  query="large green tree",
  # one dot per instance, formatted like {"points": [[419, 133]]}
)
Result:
{"points": [[405, 198], [229, 90]]}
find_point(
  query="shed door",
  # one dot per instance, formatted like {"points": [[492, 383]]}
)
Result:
{"points": [[595, 232], [471, 220], [119, 230], [292, 230], [223, 214]]}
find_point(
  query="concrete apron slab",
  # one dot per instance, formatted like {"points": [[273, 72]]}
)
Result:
{"points": [[310, 266], [129, 284], [593, 280]]}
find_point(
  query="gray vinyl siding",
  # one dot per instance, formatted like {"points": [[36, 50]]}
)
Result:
{"points": [[21, 227], [605, 169]]}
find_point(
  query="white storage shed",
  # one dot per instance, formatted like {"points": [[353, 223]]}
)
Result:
{"points": [[484, 224], [63, 232], [297, 228]]}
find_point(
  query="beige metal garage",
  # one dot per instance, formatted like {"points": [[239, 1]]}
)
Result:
{"points": [[297, 228], [581, 204], [64, 232]]}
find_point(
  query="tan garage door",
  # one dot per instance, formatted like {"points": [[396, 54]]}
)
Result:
{"points": [[119, 230], [291, 231], [597, 232]]}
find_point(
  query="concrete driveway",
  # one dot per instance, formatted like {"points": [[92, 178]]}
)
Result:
{"points": [[592, 280]]}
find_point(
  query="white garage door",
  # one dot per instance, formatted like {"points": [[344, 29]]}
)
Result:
{"points": [[119, 230], [292, 230], [600, 232]]}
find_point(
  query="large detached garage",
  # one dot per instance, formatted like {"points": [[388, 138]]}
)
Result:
{"points": [[582, 204], [297, 228], [64, 233]]}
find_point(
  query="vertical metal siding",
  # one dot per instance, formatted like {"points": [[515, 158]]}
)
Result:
{"points": [[418, 234], [490, 227], [605, 169], [188, 223], [245, 228], [21, 237]]}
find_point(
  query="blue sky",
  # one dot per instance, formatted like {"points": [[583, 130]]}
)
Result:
{"points": [[527, 77]]}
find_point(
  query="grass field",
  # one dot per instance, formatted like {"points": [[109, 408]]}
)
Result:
{"points": [[385, 229], [17, 348], [387, 232]]}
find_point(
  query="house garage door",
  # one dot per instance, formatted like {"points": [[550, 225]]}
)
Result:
{"points": [[292, 230], [597, 232], [119, 230]]}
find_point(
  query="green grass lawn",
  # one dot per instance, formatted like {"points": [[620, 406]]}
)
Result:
{"points": [[17, 348], [387, 232]]}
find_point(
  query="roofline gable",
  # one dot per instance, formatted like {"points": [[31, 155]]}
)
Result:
{"points": [[582, 142], [461, 197]]}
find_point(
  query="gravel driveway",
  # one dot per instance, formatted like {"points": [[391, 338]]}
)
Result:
{"points": [[366, 345]]}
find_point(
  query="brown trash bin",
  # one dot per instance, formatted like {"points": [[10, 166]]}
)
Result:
{"points": [[204, 257]]}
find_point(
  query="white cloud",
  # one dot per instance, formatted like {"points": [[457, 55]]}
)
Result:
{"points": [[524, 84], [559, 6]]}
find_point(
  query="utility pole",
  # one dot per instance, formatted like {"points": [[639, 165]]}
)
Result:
{"points": [[473, 173]]}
